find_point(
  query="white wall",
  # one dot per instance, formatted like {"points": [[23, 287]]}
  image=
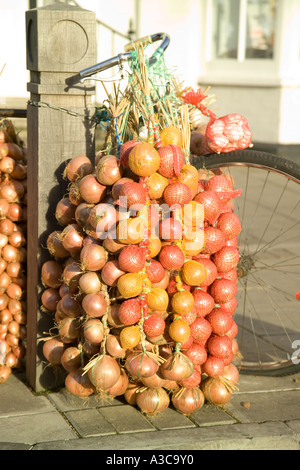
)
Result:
{"points": [[14, 78]]}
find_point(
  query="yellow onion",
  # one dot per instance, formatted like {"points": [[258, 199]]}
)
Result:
{"points": [[130, 337], [177, 367], [120, 386], [182, 302], [188, 400], [158, 299], [104, 373], [215, 391], [189, 176], [192, 214], [193, 242], [140, 365], [154, 246], [156, 185], [93, 331], [193, 273], [113, 346], [152, 400], [179, 330], [131, 231], [130, 285], [131, 393], [79, 384], [108, 170], [71, 359], [171, 135], [144, 160]]}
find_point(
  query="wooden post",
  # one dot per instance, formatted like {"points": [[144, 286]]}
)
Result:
{"points": [[61, 41]]}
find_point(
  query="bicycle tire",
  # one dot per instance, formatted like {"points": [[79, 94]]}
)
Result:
{"points": [[283, 169]]}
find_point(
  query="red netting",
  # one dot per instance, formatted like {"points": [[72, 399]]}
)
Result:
{"points": [[225, 134]]}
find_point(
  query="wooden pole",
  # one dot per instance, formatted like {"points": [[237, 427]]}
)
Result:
{"points": [[61, 41]]}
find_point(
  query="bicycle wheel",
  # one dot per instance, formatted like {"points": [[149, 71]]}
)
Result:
{"points": [[268, 315]]}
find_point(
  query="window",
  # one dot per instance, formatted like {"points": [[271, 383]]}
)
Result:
{"points": [[242, 29]]}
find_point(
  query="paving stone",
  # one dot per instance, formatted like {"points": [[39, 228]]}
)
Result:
{"points": [[17, 399], [170, 419], [263, 436], [35, 428], [14, 446], [259, 407], [65, 401], [126, 418], [89, 422], [211, 415], [252, 383]]}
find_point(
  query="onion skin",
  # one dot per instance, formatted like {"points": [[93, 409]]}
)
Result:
{"points": [[78, 167], [53, 350], [178, 367], [79, 384], [215, 391], [95, 305], [120, 386], [190, 400], [5, 373], [140, 365], [104, 373], [152, 400], [71, 359]]}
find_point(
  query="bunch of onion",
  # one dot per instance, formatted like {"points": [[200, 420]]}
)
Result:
{"points": [[13, 230], [137, 315]]}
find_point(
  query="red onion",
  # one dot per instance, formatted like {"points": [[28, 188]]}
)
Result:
{"points": [[213, 366], [171, 257], [132, 259], [154, 326], [155, 271], [220, 322], [219, 346]]}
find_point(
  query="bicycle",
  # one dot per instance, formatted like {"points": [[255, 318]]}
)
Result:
{"points": [[269, 269]]}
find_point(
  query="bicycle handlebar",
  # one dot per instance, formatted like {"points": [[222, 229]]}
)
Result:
{"points": [[123, 57]]}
